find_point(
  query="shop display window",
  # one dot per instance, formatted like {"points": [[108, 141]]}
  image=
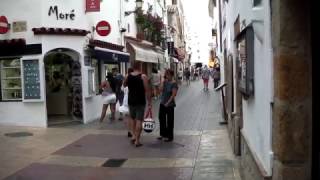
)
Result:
{"points": [[95, 65], [91, 82], [10, 79]]}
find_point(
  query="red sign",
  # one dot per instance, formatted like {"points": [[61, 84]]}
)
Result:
{"points": [[92, 5], [103, 28], [4, 25]]}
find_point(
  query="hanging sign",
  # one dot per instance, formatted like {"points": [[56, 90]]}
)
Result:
{"points": [[4, 25], [92, 5], [103, 28]]}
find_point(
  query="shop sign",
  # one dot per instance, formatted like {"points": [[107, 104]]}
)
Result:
{"points": [[19, 26], [54, 10], [4, 25], [92, 5], [103, 28]]}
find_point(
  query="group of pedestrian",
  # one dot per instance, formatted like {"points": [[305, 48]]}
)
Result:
{"points": [[134, 97]]}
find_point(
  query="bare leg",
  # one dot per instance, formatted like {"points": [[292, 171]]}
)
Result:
{"points": [[133, 127], [103, 113], [129, 124], [113, 111], [138, 131]]}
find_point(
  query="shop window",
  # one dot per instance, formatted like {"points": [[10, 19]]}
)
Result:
{"points": [[91, 82], [97, 72], [10, 80], [246, 62]]}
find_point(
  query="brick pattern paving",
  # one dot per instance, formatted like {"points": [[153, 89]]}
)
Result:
{"points": [[200, 151]]}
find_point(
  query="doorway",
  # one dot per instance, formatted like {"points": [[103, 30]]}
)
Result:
{"points": [[63, 87]]}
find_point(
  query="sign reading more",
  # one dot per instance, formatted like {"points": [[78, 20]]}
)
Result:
{"points": [[19, 26], [31, 79], [53, 10], [103, 28]]}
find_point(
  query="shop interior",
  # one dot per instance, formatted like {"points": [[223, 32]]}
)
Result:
{"points": [[63, 87]]}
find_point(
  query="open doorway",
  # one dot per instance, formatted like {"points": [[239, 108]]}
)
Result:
{"points": [[63, 87]]}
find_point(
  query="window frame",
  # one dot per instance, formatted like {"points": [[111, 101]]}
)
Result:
{"points": [[21, 79]]}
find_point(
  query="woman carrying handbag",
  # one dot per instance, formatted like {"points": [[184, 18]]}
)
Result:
{"points": [[108, 98], [169, 90]]}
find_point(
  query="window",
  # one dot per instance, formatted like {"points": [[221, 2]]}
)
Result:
{"points": [[91, 82], [174, 2], [257, 2], [10, 75], [97, 79]]}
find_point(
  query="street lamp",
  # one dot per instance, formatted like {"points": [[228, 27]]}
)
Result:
{"points": [[139, 4]]}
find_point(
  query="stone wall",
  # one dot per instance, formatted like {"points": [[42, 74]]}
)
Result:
{"points": [[292, 110]]}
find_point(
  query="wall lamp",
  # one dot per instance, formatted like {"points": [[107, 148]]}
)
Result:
{"points": [[139, 4]]}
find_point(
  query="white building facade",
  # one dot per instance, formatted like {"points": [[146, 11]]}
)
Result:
{"points": [[246, 49], [55, 75]]}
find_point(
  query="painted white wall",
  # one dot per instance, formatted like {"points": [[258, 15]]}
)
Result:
{"points": [[257, 114], [34, 114], [20, 113], [30, 14]]}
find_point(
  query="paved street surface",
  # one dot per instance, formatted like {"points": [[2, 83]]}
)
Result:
{"points": [[200, 151]]}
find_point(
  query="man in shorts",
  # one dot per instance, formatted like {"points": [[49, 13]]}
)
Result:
{"points": [[139, 95]]}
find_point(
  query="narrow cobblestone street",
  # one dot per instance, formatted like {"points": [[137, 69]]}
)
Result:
{"points": [[200, 150]]}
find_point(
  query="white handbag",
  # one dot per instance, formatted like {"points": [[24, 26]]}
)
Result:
{"points": [[148, 124]]}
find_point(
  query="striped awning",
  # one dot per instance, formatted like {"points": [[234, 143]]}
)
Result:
{"points": [[146, 55]]}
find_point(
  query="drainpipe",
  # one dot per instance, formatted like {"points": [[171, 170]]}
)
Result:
{"points": [[220, 27]]}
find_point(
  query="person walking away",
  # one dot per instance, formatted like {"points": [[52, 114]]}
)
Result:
{"points": [[180, 75], [109, 98], [124, 108], [118, 78], [192, 73], [169, 90], [216, 77], [187, 75], [113, 84], [138, 93], [155, 82], [205, 77]]}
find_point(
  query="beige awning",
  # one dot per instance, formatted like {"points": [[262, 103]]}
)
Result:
{"points": [[147, 55]]}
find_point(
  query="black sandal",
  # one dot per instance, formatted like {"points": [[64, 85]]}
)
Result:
{"points": [[168, 140], [160, 138], [132, 141], [138, 145]]}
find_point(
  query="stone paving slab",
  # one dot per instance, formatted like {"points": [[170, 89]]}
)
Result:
{"points": [[129, 163], [119, 147], [58, 172]]}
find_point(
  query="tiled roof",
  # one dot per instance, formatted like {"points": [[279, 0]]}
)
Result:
{"points": [[60, 31], [21, 42]]}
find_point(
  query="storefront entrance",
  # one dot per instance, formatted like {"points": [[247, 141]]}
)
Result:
{"points": [[63, 87]]}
